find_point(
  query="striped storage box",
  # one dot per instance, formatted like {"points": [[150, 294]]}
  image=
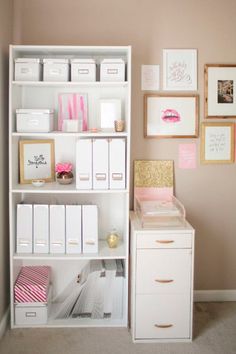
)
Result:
{"points": [[32, 284]]}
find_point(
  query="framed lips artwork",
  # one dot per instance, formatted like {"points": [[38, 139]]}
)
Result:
{"points": [[170, 116]]}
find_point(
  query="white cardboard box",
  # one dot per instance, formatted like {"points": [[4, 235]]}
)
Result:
{"points": [[33, 313], [55, 70], [100, 163], [30, 315], [34, 120], [28, 69], [84, 164], [117, 162], [73, 229], [57, 228], [90, 228], [83, 70], [41, 228], [24, 229], [112, 70]]}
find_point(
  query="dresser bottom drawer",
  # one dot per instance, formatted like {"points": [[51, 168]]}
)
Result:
{"points": [[163, 316]]}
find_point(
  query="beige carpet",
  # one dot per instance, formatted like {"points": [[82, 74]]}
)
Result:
{"points": [[214, 333]]}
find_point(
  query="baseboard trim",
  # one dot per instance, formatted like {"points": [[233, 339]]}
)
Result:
{"points": [[4, 322], [214, 295]]}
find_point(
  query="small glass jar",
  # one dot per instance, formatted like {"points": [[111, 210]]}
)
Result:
{"points": [[113, 238]]}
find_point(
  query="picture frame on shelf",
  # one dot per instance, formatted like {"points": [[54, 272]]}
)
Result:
{"points": [[217, 142], [170, 116], [37, 160], [220, 90], [180, 69]]}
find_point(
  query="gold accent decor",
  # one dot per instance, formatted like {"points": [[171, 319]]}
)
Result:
{"points": [[153, 173], [164, 326], [164, 281]]}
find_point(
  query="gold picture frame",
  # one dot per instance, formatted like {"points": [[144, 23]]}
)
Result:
{"points": [[171, 116], [217, 142], [219, 91], [37, 160]]}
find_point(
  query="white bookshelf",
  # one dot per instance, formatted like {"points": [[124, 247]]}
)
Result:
{"points": [[113, 205]]}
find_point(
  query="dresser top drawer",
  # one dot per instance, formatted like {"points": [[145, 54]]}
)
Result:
{"points": [[164, 240]]}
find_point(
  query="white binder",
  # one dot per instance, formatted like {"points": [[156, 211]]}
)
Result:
{"points": [[100, 163], [57, 229], [41, 228], [24, 229], [84, 164], [73, 229], [90, 228], [117, 164]]}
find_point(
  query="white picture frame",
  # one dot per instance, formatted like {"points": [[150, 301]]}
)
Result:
{"points": [[37, 160], [110, 111], [180, 69], [170, 116], [217, 142]]}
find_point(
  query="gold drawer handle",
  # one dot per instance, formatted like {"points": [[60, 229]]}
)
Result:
{"points": [[163, 326], [164, 280], [165, 241]]}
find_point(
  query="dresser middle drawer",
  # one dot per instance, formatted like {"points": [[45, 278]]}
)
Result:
{"points": [[161, 271]]}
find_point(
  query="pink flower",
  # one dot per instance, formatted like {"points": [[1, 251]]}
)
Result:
{"points": [[63, 167]]}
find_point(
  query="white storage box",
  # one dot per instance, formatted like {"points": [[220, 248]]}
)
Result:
{"points": [[34, 120], [26, 314], [112, 70], [55, 70], [33, 313], [83, 70], [28, 69]]}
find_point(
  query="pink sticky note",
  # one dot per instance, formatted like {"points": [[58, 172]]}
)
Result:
{"points": [[187, 156]]}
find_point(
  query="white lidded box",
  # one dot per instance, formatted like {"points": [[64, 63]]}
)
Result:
{"points": [[28, 69], [33, 313], [83, 70], [34, 120], [55, 69], [112, 70]]}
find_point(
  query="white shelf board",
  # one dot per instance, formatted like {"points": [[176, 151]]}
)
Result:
{"points": [[55, 187], [78, 322], [77, 135], [104, 253], [96, 84]]}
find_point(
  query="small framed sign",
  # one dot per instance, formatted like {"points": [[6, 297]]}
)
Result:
{"points": [[217, 143], [37, 160]]}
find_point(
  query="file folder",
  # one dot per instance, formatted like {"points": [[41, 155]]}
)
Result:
{"points": [[73, 229], [90, 228], [100, 163], [117, 163], [57, 229], [84, 164], [24, 229]]}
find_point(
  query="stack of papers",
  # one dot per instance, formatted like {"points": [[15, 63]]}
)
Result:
{"points": [[98, 294]]}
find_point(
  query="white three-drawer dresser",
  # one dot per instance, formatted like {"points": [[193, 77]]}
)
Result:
{"points": [[161, 297]]}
